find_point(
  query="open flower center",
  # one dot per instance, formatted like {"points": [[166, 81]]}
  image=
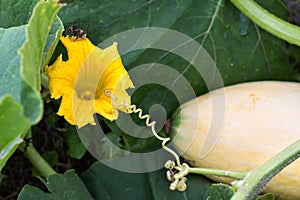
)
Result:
{"points": [[86, 95]]}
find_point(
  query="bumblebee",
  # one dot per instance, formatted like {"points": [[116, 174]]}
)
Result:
{"points": [[76, 32]]}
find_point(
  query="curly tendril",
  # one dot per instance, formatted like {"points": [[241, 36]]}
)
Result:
{"points": [[178, 179]]}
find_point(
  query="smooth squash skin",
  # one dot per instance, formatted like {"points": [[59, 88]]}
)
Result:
{"points": [[260, 120]]}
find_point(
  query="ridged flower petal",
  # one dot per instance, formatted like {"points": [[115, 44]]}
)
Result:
{"points": [[84, 79]]}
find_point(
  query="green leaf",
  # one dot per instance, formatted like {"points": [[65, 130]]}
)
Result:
{"points": [[66, 186], [107, 183], [131, 142], [75, 146], [20, 100], [240, 57], [111, 17], [108, 149], [11, 40], [220, 192], [14, 126], [31, 57], [15, 12], [52, 40], [33, 193]]}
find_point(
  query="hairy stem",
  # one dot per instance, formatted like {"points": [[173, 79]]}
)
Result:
{"points": [[253, 184]]}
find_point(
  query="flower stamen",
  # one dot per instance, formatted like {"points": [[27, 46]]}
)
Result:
{"points": [[86, 95]]}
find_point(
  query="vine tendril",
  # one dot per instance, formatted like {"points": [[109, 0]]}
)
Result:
{"points": [[178, 179], [151, 124]]}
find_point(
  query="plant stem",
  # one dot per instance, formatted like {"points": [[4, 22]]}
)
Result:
{"points": [[217, 172], [39, 162], [253, 184], [268, 21], [44, 81]]}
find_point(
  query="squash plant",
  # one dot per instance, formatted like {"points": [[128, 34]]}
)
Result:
{"points": [[245, 41]]}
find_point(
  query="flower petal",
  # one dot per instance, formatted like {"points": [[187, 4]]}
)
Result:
{"points": [[77, 49], [104, 107], [84, 79], [83, 111], [115, 77], [61, 78], [77, 111], [65, 108]]}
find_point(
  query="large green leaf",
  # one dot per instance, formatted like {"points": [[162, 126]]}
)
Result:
{"points": [[106, 18], [31, 57], [11, 40], [19, 73], [107, 183], [66, 186], [52, 41], [241, 50], [14, 126], [13, 123], [102, 182], [15, 12]]}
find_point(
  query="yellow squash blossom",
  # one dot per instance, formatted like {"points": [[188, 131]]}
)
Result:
{"points": [[84, 80]]}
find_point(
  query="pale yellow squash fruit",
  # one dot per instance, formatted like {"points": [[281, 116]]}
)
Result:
{"points": [[257, 120]]}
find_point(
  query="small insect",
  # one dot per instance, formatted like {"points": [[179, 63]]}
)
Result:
{"points": [[76, 32]]}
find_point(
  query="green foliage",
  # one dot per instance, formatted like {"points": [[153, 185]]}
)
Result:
{"points": [[52, 41], [11, 40], [107, 183], [13, 127], [220, 192], [242, 51], [66, 186], [15, 12], [20, 74], [75, 146], [31, 57]]}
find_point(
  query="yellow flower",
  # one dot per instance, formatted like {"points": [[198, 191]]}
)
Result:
{"points": [[82, 80]]}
